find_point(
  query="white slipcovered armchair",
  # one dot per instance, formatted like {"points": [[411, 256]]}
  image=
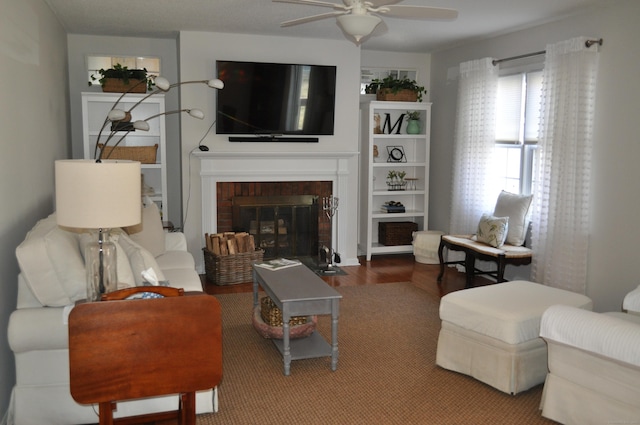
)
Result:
{"points": [[594, 364]]}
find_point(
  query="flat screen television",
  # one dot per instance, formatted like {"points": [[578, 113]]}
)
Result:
{"points": [[273, 99]]}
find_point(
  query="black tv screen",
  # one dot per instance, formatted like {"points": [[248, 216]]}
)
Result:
{"points": [[273, 99]]}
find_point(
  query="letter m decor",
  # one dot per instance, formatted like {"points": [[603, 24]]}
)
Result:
{"points": [[387, 128]]}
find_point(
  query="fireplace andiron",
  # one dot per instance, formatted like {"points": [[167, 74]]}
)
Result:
{"points": [[328, 257]]}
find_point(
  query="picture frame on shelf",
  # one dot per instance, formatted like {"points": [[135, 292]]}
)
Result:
{"points": [[396, 154]]}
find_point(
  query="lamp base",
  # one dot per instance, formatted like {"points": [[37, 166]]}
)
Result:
{"points": [[101, 264]]}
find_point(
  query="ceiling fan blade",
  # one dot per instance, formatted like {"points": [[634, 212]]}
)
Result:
{"points": [[311, 18], [378, 3], [419, 12], [312, 3]]}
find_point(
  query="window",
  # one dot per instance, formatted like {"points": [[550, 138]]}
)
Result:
{"points": [[94, 63], [517, 121]]}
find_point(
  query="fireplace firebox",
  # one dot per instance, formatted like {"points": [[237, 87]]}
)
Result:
{"points": [[283, 226]]}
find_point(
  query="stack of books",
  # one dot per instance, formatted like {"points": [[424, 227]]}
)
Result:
{"points": [[393, 207]]}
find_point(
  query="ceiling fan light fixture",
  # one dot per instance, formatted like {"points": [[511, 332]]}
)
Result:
{"points": [[358, 26]]}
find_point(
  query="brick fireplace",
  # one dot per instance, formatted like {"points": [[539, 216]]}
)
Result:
{"points": [[226, 192]]}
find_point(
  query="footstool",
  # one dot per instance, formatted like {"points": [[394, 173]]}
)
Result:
{"points": [[492, 332]]}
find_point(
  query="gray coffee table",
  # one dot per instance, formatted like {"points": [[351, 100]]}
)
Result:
{"points": [[297, 291]]}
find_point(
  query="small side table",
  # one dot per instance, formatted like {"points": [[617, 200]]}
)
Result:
{"points": [[128, 349]]}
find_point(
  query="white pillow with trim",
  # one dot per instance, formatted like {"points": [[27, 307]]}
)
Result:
{"points": [[149, 234], [51, 264], [516, 207]]}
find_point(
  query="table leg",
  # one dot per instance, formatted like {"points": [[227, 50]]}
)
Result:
{"points": [[286, 340], [106, 412], [335, 306], [255, 289]]}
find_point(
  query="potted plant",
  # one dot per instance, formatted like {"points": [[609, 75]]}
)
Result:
{"points": [[413, 124], [395, 180], [396, 89], [121, 79]]}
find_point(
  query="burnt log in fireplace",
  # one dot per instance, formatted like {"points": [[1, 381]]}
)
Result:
{"points": [[283, 226]]}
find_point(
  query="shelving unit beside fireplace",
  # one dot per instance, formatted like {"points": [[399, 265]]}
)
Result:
{"points": [[398, 151]]}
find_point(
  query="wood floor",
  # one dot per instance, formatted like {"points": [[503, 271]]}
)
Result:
{"points": [[381, 269]]}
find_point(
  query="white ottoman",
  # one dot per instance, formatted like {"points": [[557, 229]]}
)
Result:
{"points": [[425, 246], [492, 332]]}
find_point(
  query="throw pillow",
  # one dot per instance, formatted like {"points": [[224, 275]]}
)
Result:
{"points": [[140, 259], [493, 230], [51, 264], [631, 301], [149, 234], [516, 207]]}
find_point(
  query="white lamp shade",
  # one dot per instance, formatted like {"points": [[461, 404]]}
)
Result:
{"points": [[216, 84], [162, 83], [141, 125], [95, 195], [196, 113], [358, 26], [116, 115]]}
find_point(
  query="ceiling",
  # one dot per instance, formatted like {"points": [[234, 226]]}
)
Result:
{"points": [[477, 19]]}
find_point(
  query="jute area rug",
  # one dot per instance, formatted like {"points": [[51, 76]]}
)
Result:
{"points": [[386, 370]]}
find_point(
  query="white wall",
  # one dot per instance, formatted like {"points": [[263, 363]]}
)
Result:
{"points": [[198, 52], [615, 202], [81, 46], [34, 122]]}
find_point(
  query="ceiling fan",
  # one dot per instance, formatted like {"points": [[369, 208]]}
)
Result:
{"points": [[359, 18]]}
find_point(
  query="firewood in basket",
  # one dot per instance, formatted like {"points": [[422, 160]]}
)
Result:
{"points": [[233, 247], [241, 242], [207, 242], [215, 244], [224, 250], [251, 245]]}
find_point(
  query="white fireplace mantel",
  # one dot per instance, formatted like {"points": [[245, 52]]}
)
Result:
{"points": [[338, 167]]}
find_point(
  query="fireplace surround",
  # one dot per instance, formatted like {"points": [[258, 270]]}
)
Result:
{"points": [[338, 168]]}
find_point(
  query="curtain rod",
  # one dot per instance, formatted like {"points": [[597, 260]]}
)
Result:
{"points": [[587, 43]]}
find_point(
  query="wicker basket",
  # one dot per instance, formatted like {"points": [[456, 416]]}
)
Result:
{"points": [[117, 85], [403, 95], [391, 233], [230, 269], [144, 154], [272, 315]]}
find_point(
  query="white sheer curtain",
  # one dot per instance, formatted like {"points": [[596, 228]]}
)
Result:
{"points": [[474, 144], [560, 232]]}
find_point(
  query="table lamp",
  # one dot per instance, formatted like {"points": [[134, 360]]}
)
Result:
{"points": [[98, 196]]}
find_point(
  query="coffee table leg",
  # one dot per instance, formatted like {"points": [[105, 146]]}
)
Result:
{"points": [[286, 343], [255, 289], [334, 333]]}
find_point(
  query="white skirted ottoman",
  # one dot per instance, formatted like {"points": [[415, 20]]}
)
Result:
{"points": [[425, 246], [492, 332]]}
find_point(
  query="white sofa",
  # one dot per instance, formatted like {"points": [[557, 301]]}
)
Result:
{"points": [[594, 364], [52, 278]]}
